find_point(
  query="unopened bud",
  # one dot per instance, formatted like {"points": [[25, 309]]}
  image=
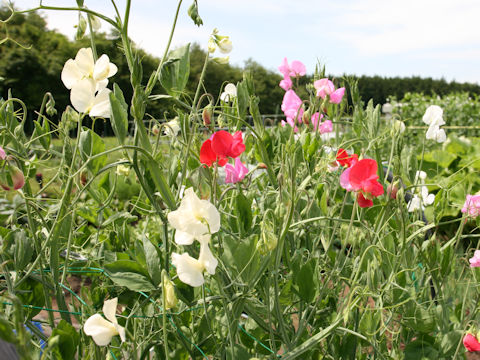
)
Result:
{"points": [[207, 115], [306, 117], [81, 27], [211, 46], [122, 170], [392, 190], [170, 297], [261, 166], [156, 129]]}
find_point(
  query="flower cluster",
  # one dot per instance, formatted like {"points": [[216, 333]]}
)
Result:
{"points": [[195, 219], [222, 43], [219, 148], [88, 79], [360, 176], [292, 104], [102, 330], [422, 198], [433, 117]]}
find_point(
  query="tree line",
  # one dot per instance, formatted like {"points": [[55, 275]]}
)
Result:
{"points": [[32, 58]]}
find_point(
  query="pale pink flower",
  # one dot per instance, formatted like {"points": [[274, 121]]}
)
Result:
{"points": [[337, 96], [295, 69], [475, 260], [345, 180], [234, 174], [3, 155], [323, 127], [286, 83], [472, 205], [324, 87]]}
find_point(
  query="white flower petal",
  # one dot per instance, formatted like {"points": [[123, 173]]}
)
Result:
{"points": [[100, 85], [432, 114], [440, 136], [101, 68], [183, 238], [207, 259], [83, 95], [100, 329], [70, 73], [189, 270], [231, 89], [110, 309], [121, 332], [84, 61], [101, 104]]}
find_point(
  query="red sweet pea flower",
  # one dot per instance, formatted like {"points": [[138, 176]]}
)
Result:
{"points": [[208, 156], [220, 147], [346, 160], [471, 343], [362, 177]]}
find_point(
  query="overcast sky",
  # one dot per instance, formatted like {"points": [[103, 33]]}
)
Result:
{"points": [[428, 38]]}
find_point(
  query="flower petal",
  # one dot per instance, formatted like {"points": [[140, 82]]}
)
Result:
{"points": [[206, 258], [84, 61], [100, 329], [70, 73], [189, 270], [110, 309], [101, 104], [83, 95]]}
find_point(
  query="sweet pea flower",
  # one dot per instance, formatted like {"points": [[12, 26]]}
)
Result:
{"points": [[87, 98], [102, 330], [297, 68], [190, 270], [434, 118], [471, 207], [325, 87], [3, 155], [220, 147], [363, 178], [225, 45], [286, 84], [234, 174], [323, 127], [194, 219], [475, 260], [471, 343], [172, 128], [229, 93], [344, 159], [423, 198], [13, 179], [292, 107], [85, 67]]}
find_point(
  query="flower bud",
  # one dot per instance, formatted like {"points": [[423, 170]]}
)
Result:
{"points": [[3, 155], [170, 297], [398, 127], [211, 46], [207, 115], [392, 190], [306, 117], [17, 177], [81, 27], [261, 166], [156, 129]]}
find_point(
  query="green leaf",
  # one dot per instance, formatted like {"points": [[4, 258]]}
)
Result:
{"points": [[119, 114], [239, 353], [242, 256], [420, 349], [130, 274], [440, 157], [304, 280], [30, 292], [243, 99], [243, 207], [175, 71], [152, 256], [68, 339], [91, 144]]}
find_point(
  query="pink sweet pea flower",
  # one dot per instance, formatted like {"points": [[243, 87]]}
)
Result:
{"points": [[472, 205], [3, 155], [234, 174], [323, 127], [324, 87], [337, 96], [345, 180], [286, 83], [471, 343], [295, 69], [475, 260], [292, 106]]}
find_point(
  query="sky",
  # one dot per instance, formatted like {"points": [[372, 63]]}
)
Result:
{"points": [[427, 38]]}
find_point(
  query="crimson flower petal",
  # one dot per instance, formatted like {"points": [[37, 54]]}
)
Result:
{"points": [[362, 173], [362, 202], [207, 155], [238, 146], [222, 143], [471, 343]]}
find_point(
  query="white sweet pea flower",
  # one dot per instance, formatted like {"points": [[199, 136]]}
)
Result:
{"points": [[229, 92], [102, 330], [86, 98], [172, 128], [194, 219], [190, 270], [434, 118], [423, 198], [84, 67], [225, 45]]}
